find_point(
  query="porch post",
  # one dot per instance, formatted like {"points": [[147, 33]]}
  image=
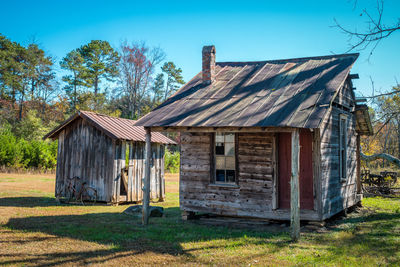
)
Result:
{"points": [[146, 186], [358, 169], [294, 188]]}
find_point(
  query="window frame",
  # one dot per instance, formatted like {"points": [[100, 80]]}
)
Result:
{"points": [[343, 147], [213, 161]]}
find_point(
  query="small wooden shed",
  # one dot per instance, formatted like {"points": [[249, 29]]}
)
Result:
{"points": [[94, 147], [266, 139]]}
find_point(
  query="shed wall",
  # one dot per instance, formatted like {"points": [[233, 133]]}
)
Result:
{"points": [[85, 152], [135, 171], [338, 195], [89, 154]]}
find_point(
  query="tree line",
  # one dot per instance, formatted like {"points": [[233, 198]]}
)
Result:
{"points": [[37, 91]]}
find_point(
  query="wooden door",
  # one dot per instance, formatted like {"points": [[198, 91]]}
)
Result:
{"points": [[306, 170]]}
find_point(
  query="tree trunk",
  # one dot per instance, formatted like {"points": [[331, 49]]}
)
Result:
{"points": [[385, 156], [21, 106], [96, 87]]}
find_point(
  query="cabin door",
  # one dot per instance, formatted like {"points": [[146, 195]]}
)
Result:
{"points": [[306, 170]]}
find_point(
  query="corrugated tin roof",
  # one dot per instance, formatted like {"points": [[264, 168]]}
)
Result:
{"points": [[363, 121], [284, 93], [116, 128]]}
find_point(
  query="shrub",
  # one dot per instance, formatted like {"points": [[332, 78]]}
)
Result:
{"points": [[8, 147], [20, 153], [172, 161]]}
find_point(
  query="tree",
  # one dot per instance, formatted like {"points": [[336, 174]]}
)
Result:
{"points": [[157, 90], [73, 62], [12, 68], [174, 78], [100, 62], [389, 112], [25, 73], [375, 31], [137, 66]]}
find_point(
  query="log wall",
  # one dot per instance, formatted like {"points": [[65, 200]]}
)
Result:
{"points": [[254, 194], [337, 194]]}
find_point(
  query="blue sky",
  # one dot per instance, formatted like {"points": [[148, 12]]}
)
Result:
{"points": [[241, 31]]}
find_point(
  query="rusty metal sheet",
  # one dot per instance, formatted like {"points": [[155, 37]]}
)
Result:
{"points": [[116, 128], [285, 93]]}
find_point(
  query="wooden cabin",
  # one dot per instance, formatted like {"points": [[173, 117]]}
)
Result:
{"points": [[251, 130], [94, 147]]}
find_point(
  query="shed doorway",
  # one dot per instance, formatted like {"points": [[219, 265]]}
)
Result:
{"points": [[306, 170]]}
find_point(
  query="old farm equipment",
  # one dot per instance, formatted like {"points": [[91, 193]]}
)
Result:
{"points": [[381, 183]]}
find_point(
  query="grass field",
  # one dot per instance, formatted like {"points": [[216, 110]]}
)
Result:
{"points": [[36, 230]]}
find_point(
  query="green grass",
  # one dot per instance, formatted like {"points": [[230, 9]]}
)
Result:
{"points": [[74, 234]]}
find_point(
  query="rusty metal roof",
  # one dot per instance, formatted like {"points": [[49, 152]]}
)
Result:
{"points": [[285, 93], [116, 128], [363, 121]]}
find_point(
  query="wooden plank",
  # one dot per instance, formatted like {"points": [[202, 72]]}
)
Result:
{"points": [[358, 175], [295, 188], [222, 129], [146, 188], [60, 159], [161, 173], [115, 170], [275, 196], [130, 192], [317, 171], [121, 164]]}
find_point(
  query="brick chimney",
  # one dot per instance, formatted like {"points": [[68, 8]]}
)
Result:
{"points": [[208, 70]]}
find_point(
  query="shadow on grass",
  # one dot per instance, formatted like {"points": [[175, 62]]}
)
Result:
{"points": [[371, 234], [28, 202], [128, 237]]}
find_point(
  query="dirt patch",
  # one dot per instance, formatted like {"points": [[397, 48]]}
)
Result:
{"points": [[172, 182]]}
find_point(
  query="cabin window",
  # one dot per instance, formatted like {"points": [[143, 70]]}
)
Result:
{"points": [[343, 146], [225, 158]]}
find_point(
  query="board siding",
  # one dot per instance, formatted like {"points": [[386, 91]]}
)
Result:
{"points": [[95, 158], [337, 195]]}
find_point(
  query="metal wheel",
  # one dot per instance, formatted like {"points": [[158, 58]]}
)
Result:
{"points": [[89, 194]]}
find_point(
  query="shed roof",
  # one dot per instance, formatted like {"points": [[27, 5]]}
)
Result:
{"points": [[277, 93], [116, 128]]}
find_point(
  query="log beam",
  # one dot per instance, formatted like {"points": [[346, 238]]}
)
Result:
{"points": [[294, 187], [146, 187]]}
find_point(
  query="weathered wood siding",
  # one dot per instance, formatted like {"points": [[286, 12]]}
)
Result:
{"points": [[337, 195], [254, 196], [98, 160], [136, 171], [85, 152]]}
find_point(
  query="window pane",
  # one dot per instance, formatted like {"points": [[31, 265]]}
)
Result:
{"points": [[219, 138], [219, 149], [229, 149], [220, 176], [230, 137], [230, 176], [220, 163], [230, 163]]}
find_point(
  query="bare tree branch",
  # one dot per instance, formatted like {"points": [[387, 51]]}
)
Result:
{"points": [[375, 32]]}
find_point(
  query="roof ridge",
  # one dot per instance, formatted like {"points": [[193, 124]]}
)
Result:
{"points": [[104, 115], [289, 59]]}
